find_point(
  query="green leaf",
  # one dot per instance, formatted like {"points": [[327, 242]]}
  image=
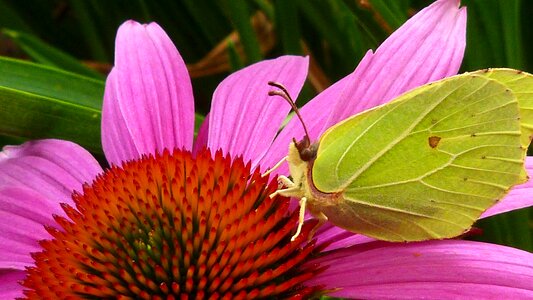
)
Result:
{"points": [[11, 140], [208, 19], [337, 31], [33, 117], [392, 12], [235, 61], [510, 12], [42, 102], [48, 55], [494, 34], [511, 229], [266, 7], [198, 120], [38, 101], [51, 82], [89, 28], [323, 16], [10, 18], [287, 24], [240, 16]]}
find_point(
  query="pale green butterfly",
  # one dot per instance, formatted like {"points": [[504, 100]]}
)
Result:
{"points": [[423, 166]]}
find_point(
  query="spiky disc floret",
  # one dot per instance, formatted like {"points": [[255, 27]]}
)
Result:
{"points": [[173, 226]]}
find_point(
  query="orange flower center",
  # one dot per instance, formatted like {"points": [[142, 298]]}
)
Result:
{"points": [[175, 226]]}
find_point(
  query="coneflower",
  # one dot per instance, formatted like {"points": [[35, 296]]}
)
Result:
{"points": [[194, 223]]}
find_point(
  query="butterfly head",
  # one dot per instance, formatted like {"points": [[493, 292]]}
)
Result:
{"points": [[306, 150]]}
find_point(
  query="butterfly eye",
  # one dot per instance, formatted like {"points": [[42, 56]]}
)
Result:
{"points": [[307, 154]]}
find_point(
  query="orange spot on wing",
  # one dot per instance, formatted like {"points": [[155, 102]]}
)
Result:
{"points": [[434, 141]]}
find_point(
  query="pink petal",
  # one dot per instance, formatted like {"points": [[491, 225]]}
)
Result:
{"points": [[53, 168], [434, 270], [428, 47], [148, 104], [244, 119], [29, 204], [117, 140], [520, 196], [9, 284], [337, 238], [23, 214], [15, 254]]}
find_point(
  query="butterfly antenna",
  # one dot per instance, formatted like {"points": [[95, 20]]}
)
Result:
{"points": [[283, 93]]}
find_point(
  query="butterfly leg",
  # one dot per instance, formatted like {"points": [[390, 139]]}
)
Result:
{"points": [[275, 166], [303, 201], [291, 191], [321, 220], [286, 181]]}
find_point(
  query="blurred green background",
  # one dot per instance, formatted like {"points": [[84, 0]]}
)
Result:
{"points": [[56, 54]]}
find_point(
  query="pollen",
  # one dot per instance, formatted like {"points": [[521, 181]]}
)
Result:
{"points": [[175, 226]]}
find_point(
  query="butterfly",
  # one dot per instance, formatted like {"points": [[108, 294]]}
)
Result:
{"points": [[423, 166]]}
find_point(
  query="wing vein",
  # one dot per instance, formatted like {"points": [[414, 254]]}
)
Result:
{"points": [[395, 141], [374, 224], [397, 210], [444, 166], [470, 104], [341, 159], [462, 127]]}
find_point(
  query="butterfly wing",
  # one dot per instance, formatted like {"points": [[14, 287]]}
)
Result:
{"points": [[425, 165], [521, 83]]}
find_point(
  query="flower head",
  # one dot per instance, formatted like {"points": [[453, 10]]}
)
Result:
{"points": [[171, 224], [163, 221]]}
